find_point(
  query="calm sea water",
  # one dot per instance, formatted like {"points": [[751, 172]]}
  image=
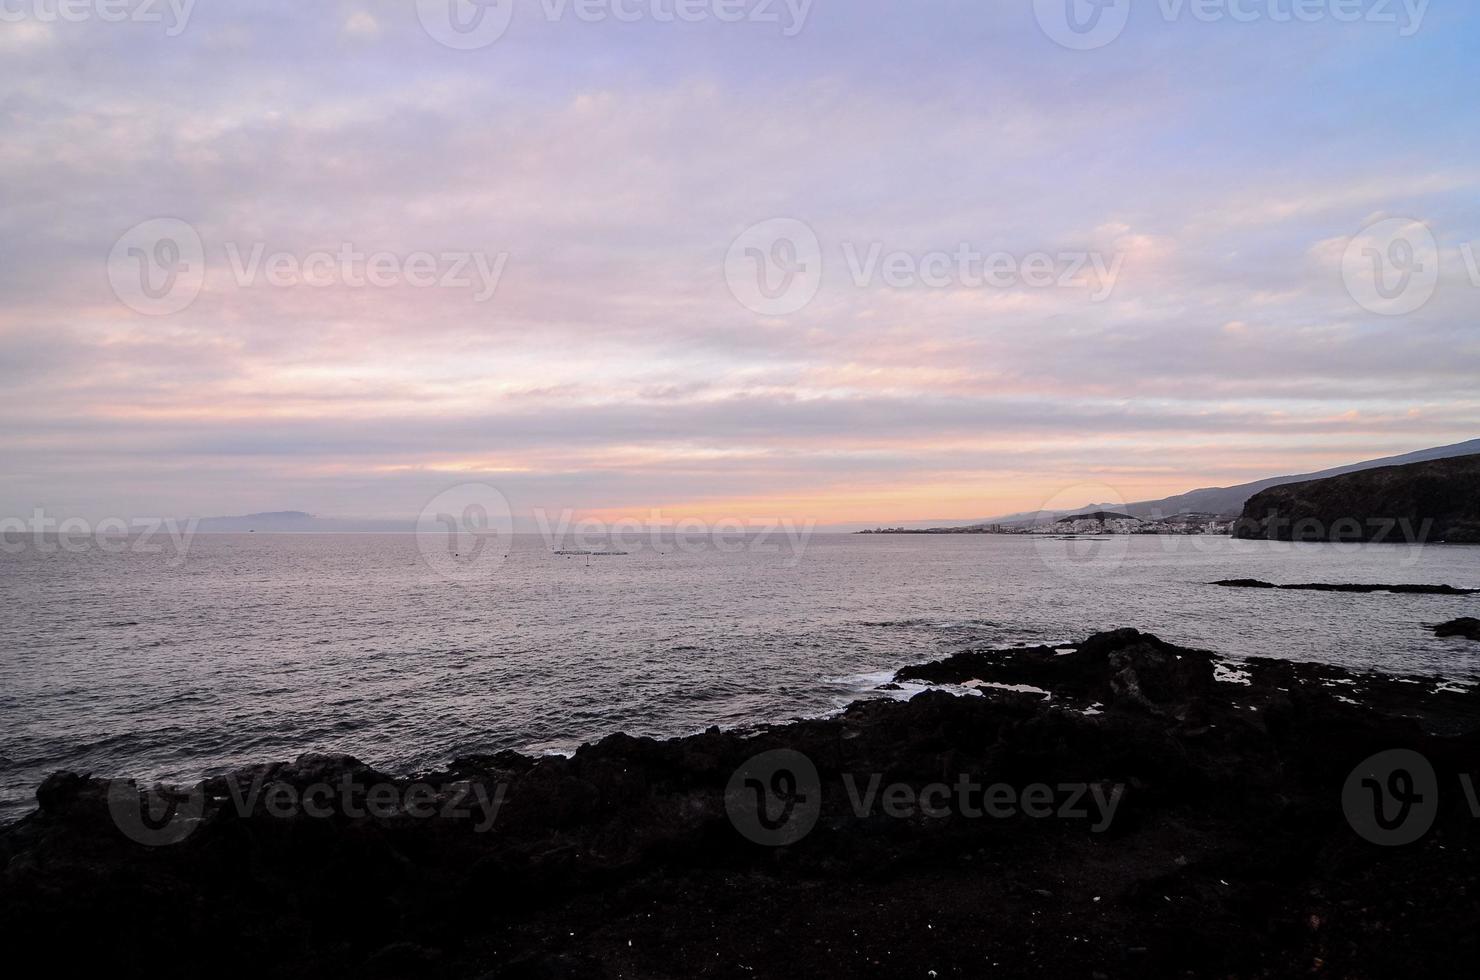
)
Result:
{"points": [[259, 647]]}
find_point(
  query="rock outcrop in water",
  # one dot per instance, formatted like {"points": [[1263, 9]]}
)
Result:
{"points": [[1438, 500], [1213, 842], [1467, 627], [1253, 583]]}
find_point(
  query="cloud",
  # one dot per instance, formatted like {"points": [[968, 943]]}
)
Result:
{"points": [[362, 24], [20, 35], [615, 167]]}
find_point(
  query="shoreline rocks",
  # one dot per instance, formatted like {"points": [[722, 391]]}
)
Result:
{"points": [[1229, 853]]}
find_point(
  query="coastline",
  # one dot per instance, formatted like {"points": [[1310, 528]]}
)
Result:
{"points": [[634, 857]]}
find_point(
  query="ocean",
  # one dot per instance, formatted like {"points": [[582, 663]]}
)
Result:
{"points": [[175, 664]]}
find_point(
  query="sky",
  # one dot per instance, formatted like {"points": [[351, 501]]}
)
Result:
{"points": [[730, 260]]}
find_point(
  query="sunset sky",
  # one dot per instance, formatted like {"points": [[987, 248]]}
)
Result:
{"points": [[606, 168]]}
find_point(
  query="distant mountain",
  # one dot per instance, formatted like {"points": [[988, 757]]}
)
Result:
{"points": [[1228, 502], [1435, 500], [1099, 515], [284, 521]]}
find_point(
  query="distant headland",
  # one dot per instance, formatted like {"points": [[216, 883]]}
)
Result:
{"points": [[1222, 510]]}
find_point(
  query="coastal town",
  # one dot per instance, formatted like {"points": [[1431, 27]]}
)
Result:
{"points": [[1097, 522]]}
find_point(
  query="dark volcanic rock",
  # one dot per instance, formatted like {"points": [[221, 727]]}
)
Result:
{"points": [[1125, 668], [1438, 500], [1249, 583], [58, 790], [1467, 627], [1246, 583], [1227, 855]]}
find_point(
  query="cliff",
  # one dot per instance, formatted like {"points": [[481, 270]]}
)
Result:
{"points": [[1434, 501]]}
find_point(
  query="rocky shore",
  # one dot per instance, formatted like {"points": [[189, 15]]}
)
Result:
{"points": [[1119, 808]]}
